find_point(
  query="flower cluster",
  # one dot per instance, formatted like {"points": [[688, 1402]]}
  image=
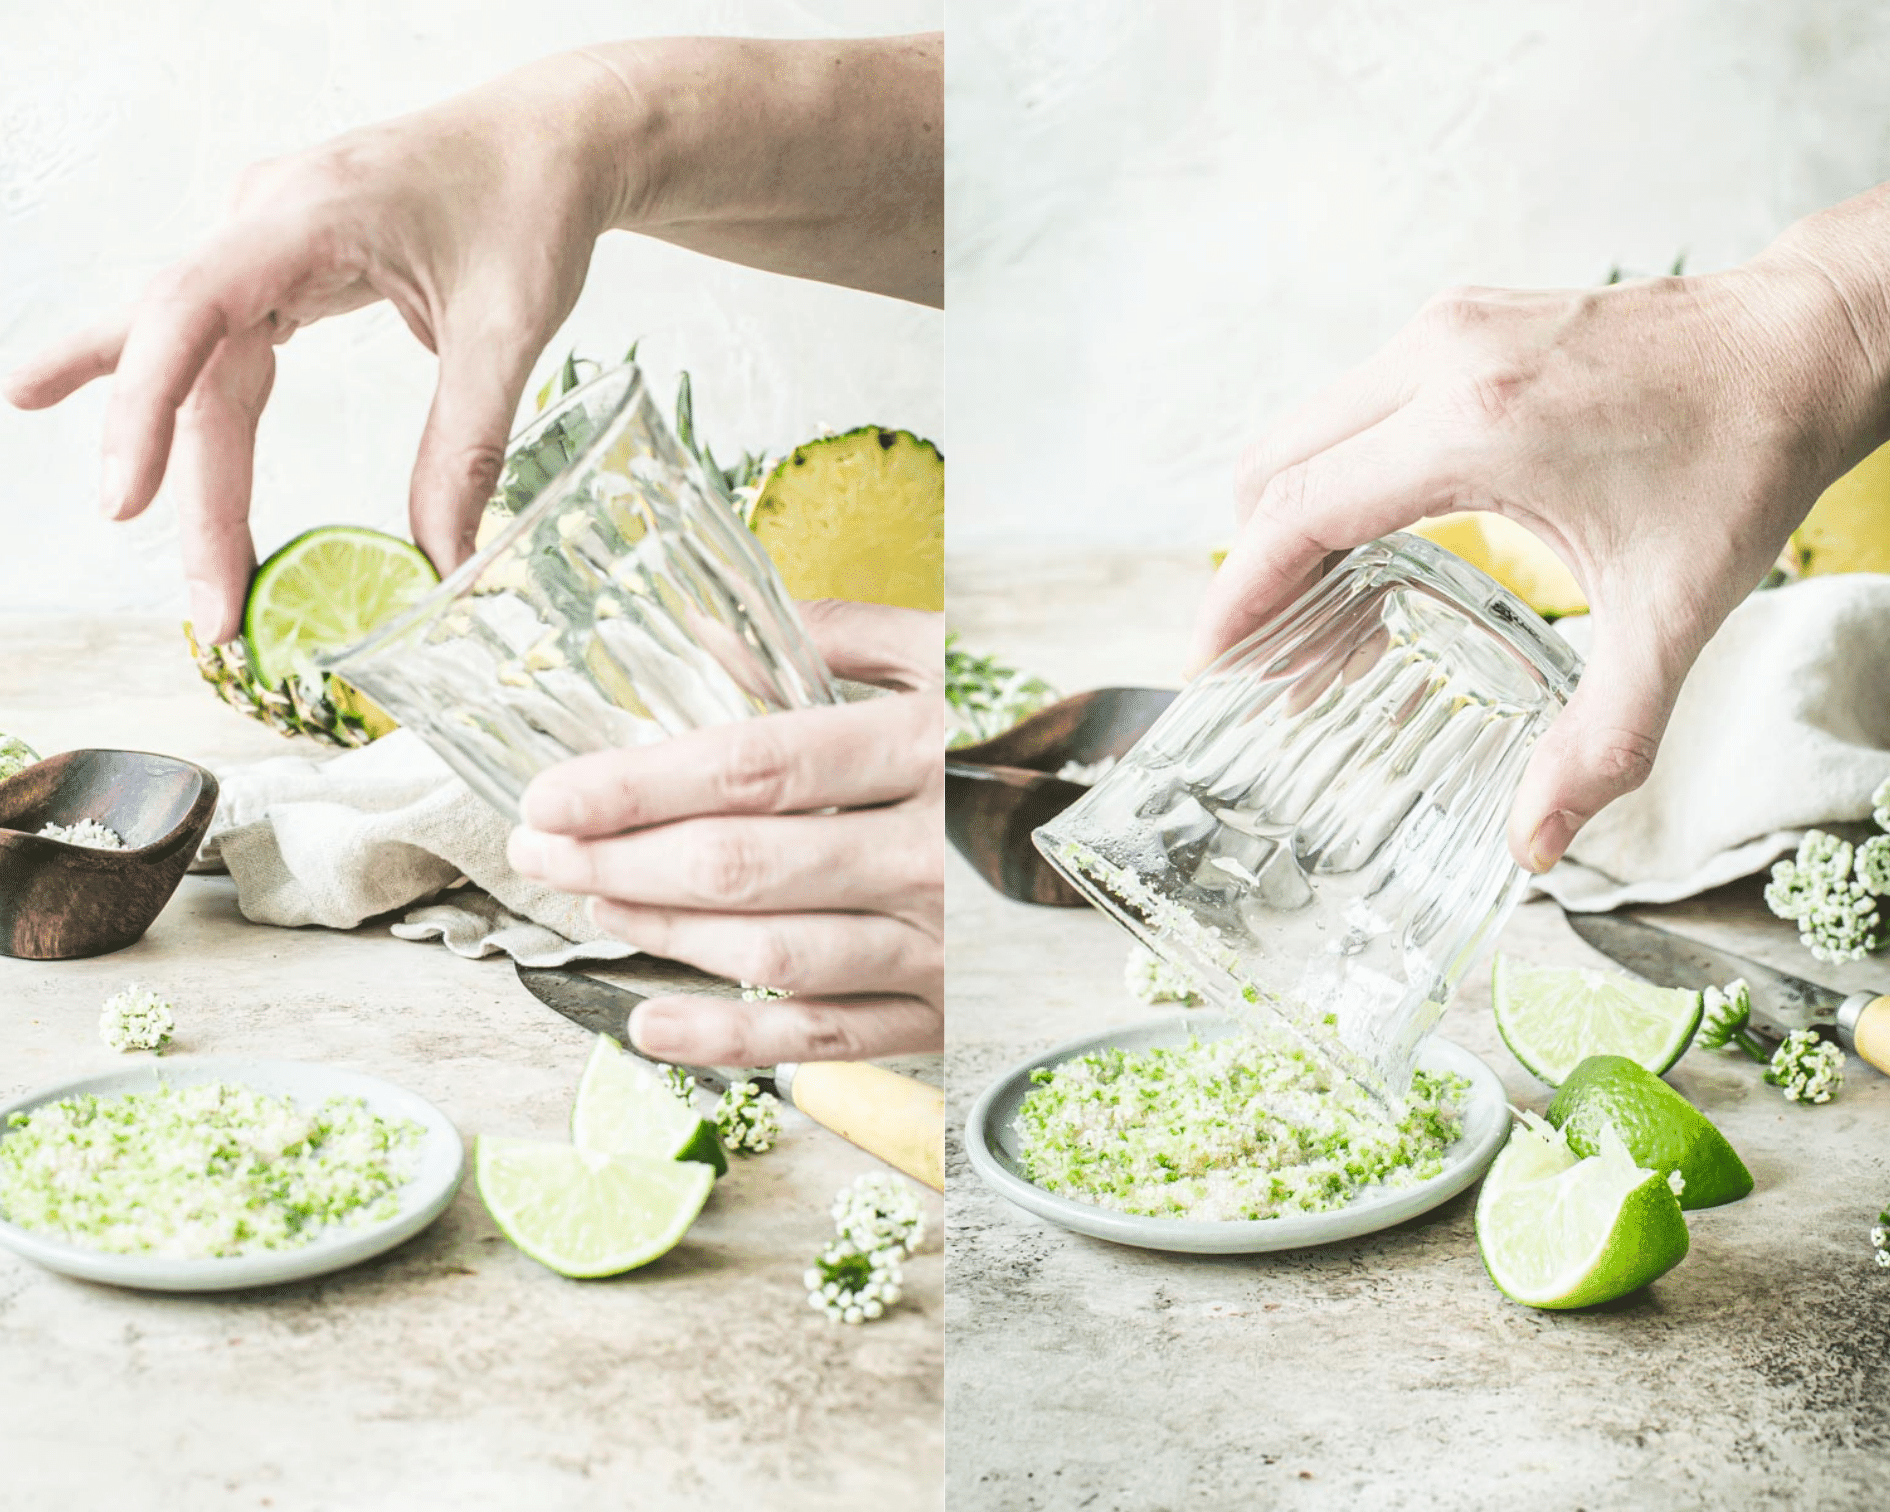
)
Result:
{"points": [[754, 992], [678, 1082], [1723, 1021], [748, 1119], [880, 1212], [1880, 1238], [987, 697], [878, 1221], [136, 1019], [1152, 980], [1806, 1068], [15, 756], [1829, 889], [852, 1285]]}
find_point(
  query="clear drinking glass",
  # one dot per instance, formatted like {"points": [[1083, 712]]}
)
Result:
{"points": [[623, 604], [1316, 826]]}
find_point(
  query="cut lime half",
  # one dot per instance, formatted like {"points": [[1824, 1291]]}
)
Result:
{"points": [[623, 1108], [1659, 1128], [1556, 1231], [1555, 1017], [583, 1213], [325, 590]]}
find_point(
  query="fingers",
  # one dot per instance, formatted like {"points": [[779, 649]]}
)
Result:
{"points": [[884, 860], [67, 365], [851, 756], [801, 953], [211, 468], [1376, 481], [462, 448], [1601, 746], [877, 643], [719, 1032], [1370, 393]]}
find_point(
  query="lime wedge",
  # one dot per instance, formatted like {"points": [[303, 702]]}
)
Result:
{"points": [[1555, 1017], [584, 1213], [325, 590], [622, 1108], [1557, 1231], [1658, 1127]]}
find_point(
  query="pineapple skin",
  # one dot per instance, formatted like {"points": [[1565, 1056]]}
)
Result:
{"points": [[327, 714]]}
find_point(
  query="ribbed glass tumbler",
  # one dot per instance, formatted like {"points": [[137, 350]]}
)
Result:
{"points": [[623, 604], [1315, 829]]}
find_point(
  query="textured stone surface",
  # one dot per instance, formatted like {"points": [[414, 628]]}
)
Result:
{"points": [[1388, 1371], [454, 1371]]}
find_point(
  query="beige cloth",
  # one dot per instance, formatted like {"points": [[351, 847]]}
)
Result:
{"points": [[336, 840], [1783, 724]]}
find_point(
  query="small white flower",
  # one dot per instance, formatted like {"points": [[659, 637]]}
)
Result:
{"points": [[880, 1212], [136, 1019], [854, 1285], [748, 1118]]}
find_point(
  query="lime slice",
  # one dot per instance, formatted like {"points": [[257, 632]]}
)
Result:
{"points": [[584, 1213], [1555, 1017], [1556, 1231], [622, 1108], [325, 590], [1658, 1127]]}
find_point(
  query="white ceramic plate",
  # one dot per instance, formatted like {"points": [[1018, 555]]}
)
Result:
{"points": [[435, 1178], [992, 1142]]}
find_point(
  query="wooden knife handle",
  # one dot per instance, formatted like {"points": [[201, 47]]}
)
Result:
{"points": [[896, 1118], [1869, 1032]]}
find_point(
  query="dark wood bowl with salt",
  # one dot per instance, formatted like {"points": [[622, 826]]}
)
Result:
{"points": [[59, 901], [998, 791]]}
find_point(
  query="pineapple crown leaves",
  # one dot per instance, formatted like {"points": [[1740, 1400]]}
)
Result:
{"points": [[734, 486], [1616, 273]]}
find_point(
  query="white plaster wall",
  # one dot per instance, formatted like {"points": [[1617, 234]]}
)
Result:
{"points": [[1171, 220], [122, 125]]}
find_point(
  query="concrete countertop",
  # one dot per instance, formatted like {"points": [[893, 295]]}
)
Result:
{"points": [[453, 1372], [1386, 1372]]}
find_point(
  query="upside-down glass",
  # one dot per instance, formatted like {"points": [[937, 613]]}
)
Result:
{"points": [[1316, 826], [623, 604]]}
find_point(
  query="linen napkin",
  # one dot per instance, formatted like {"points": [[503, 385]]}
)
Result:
{"points": [[1783, 724], [335, 840]]}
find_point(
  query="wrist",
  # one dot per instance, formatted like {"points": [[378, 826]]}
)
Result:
{"points": [[1830, 271]]}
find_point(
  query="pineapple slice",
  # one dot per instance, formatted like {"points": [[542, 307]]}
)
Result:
{"points": [[1848, 529], [859, 516]]}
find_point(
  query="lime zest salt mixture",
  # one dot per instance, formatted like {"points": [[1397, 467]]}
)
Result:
{"points": [[1249, 1126], [208, 1169]]}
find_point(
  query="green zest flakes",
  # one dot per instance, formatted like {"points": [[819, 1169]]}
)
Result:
{"points": [[208, 1169], [1238, 1128]]}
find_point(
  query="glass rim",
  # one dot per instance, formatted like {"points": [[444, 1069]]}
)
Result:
{"points": [[455, 584]]}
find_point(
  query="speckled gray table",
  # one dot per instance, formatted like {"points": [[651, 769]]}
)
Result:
{"points": [[1387, 1372], [453, 1372]]}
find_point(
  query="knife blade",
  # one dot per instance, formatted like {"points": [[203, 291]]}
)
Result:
{"points": [[897, 1119], [1781, 1003]]}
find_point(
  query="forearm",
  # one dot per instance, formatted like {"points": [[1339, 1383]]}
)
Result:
{"points": [[821, 160]]}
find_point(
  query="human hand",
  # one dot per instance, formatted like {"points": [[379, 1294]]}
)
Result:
{"points": [[711, 849], [1663, 437], [474, 218]]}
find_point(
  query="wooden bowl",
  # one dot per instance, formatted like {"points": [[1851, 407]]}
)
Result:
{"points": [[58, 901], [998, 791]]}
